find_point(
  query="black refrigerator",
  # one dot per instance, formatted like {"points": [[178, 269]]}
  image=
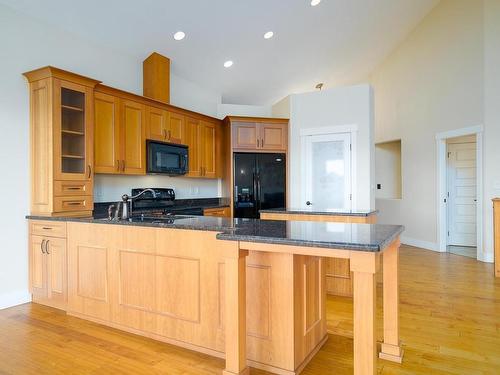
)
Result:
{"points": [[259, 183]]}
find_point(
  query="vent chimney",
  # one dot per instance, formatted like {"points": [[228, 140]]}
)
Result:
{"points": [[156, 78]]}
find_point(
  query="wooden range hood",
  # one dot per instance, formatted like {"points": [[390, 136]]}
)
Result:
{"points": [[156, 78]]}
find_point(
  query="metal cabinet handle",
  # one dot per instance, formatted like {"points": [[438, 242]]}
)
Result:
{"points": [[308, 203], [164, 132], [89, 169], [169, 135], [47, 247], [118, 165], [46, 228], [41, 246], [123, 165], [262, 142], [74, 203], [257, 143]]}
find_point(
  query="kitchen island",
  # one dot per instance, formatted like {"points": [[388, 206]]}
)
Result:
{"points": [[251, 291]]}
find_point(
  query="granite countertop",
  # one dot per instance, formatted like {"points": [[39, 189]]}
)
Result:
{"points": [[320, 211], [361, 237]]}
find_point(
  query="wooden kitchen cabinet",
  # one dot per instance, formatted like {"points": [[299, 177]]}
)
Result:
{"points": [[209, 148], [48, 265], [204, 140], [133, 140], [164, 126], [191, 140], [217, 212], [120, 135], [273, 137], [254, 134], [61, 137]]}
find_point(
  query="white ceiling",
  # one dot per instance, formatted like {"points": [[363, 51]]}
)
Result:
{"points": [[336, 42]]}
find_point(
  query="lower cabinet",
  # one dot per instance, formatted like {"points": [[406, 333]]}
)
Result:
{"points": [[48, 268], [168, 284]]}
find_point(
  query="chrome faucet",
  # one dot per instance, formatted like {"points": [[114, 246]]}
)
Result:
{"points": [[126, 199]]}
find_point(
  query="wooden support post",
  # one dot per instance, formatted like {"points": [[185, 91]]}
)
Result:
{"points": [[391, 347], [235, 312], [364, 266]]}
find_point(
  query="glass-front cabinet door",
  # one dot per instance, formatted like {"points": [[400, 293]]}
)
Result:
{"points": [[72, 131]]}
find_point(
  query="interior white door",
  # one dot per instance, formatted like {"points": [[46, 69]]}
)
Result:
{"points": [[327, 171], [462, 194]]}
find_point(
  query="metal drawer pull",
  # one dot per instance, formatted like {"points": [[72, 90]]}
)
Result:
{"points": [[41, 246], [47, 247], [47, 228], [73, 188], [74, 203]]}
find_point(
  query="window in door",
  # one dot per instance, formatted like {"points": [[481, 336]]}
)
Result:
{"points": [[327, 171]]}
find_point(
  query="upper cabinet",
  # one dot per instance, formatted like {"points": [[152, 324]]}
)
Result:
{"points": [[120, 135], [254, 134], [61, 137], [164, 126], [204, 141]]}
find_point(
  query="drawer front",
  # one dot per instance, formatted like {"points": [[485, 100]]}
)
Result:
{"points": [[219, 212], [73, 203], [72, 188], [48, 228]]}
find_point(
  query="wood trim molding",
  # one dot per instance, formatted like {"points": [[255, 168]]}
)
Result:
{"points": [[50, 71], [271, 120]]}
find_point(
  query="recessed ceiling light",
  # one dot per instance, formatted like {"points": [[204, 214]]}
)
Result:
{"points": [[268, 35], [179, 35], [315, 2], [228, 64]]}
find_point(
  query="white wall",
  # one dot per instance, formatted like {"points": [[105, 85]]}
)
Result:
{"points": [[444, 76], [28, 44], [388, 170], [243, 110], [333, 107], [491, 118]]}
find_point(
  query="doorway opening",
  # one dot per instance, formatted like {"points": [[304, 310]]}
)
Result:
{"points": [[460, 192], [327, 166], [461, 181]]}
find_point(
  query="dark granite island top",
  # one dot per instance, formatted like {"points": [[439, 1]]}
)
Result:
{"points": [[320, 211], [361, 237]]}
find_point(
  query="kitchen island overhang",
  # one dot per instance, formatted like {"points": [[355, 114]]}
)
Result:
{"points": [[282, 262]]}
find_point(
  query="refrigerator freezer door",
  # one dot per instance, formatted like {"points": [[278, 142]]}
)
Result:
{"points": [[245, 205]]}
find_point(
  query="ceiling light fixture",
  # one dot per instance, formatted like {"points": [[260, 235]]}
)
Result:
{"points": [[315, 2], [228, 64], [179, 35], [268, 35]]}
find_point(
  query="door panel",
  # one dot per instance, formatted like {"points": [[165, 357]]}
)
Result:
{"points": [[462, 194], [274, 137], [175, 129], [191, 139], [208, 139], [38, 268], [73, 131], [327, 170], [156, 124], [271, 180], [245, 135], [57, 269], [245, 205], [107, 134], [134, 134]]}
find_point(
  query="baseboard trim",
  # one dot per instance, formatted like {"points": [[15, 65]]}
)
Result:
{"points": [[486, 257], [419, 243], [14, 298]]}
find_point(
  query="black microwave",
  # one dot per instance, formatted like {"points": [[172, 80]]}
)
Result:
{"points": [[166, 158]]}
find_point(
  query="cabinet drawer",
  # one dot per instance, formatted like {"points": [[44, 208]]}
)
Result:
{"points": [[73, 203], [71, 188], [219, 212], [48, 228]]}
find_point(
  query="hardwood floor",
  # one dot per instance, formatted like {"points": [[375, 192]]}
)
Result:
{"points": [[450, 324]]}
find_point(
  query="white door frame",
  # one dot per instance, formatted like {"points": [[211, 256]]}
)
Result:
{"points": [[443, 185], [326, 130]]}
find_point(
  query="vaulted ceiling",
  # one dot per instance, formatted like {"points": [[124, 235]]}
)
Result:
{"points": [[335, 42]]}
